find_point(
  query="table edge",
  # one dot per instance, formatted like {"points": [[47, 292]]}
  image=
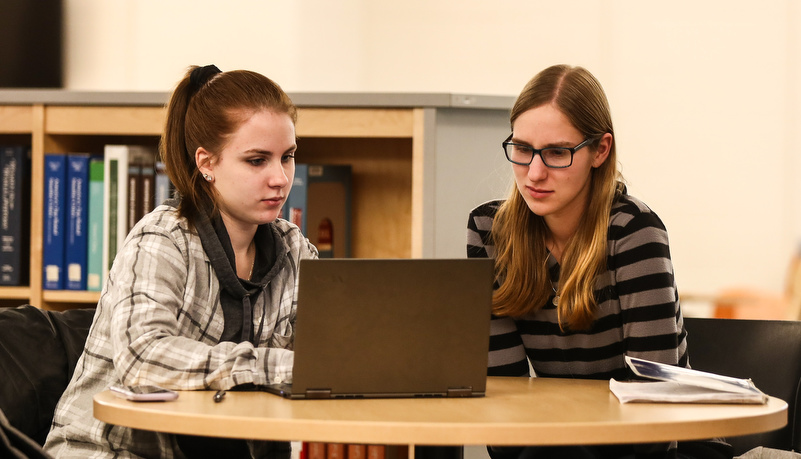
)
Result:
{"points": [[106, 407]]}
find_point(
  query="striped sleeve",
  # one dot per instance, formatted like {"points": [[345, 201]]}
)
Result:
{"points": [[644, 284], [479, 244], [507, 356]]}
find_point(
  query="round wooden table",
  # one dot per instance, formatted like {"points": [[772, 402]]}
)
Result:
{"points": [[515, 411]]}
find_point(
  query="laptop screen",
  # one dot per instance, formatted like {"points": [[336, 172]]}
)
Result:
{"points": [[392, 327]]}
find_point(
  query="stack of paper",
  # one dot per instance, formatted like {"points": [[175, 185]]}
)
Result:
{"points": [[683, 385]]}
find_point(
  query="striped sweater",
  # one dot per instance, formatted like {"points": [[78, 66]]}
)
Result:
{"points": [[638, 305]]}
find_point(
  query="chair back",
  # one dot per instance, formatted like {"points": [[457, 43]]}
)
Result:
{"points": [[38, 353], [768, 352]]}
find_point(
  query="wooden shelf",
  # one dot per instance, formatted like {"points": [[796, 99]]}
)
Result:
{"points": [[71, 296], [355, 122], [16, 119], [104, 120], [15, 293], [397, 145]]}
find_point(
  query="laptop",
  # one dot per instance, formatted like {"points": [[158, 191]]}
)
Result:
{"points": [[380, 328]]}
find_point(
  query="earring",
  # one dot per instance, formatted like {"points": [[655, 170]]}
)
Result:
{"points": [[207, 177]]}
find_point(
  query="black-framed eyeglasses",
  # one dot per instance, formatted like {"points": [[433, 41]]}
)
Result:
{"points": [[553, 157]]}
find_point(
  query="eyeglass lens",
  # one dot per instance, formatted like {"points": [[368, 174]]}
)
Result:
{"points": [[552, 157]]}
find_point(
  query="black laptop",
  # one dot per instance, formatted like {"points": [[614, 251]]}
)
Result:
{"points": [[378, 328]]}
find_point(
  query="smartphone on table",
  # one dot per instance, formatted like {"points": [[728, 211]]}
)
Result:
{"points": [[144, 393]]}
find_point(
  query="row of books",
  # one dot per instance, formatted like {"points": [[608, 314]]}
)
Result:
{"points": [[321, 450], [15, 163], [90, 205], [92, 202]]}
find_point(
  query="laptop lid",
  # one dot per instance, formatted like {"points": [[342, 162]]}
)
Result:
{"points": [[392, 328]]}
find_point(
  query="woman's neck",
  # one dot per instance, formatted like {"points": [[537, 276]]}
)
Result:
{"points": [[243, 244], [562, 226], [558, 237]]}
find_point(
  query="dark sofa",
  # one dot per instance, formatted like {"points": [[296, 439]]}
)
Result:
{"points": [[38, 353]]}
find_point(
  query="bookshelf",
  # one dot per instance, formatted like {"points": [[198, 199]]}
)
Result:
{"points": [[420, 161]]}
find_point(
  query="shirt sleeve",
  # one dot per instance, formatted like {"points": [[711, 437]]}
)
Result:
{"points": [[165, 320], [645, 284], [507, 355]]}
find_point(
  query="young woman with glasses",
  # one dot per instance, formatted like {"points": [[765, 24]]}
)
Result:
{"points": [[583, 269]]}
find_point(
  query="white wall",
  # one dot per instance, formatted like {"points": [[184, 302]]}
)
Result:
{"points": [[705, 95]]}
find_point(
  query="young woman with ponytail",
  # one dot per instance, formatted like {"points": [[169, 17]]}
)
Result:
{"points": [[202, 293]]}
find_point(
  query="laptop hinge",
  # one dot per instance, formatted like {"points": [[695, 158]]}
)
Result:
{"points": [[460, 392], [318, 393]]}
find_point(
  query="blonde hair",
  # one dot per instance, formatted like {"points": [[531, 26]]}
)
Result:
{"points": [[519, 235]]}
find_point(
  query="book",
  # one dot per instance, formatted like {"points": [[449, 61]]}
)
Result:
{"points": [[117, 202], [376, 451], [15, 162], [55, 181], [683, 385], [164, 187], [94, 255], [134, 189], [356, 451], [315, 450], [335, 451], [146, 201], [115, 195], [141, 177], [320, 204], [75, 251]]}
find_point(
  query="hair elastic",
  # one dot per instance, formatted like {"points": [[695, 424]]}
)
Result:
{"points": [[201, 75]]}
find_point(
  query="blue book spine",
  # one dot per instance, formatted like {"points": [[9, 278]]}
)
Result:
{"points": [[164, 188], [55, 187], [295, 205], [14, 214], [94, 256], [77, 221]]}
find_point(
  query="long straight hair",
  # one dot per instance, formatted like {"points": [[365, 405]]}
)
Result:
{"points": [[205, 115], [519, 235]]}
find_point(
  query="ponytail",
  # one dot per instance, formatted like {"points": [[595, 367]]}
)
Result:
{"points": [[205, 108]]}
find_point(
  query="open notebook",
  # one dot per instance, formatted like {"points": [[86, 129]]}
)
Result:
{"points": [[683, 385], [391, 328]]}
